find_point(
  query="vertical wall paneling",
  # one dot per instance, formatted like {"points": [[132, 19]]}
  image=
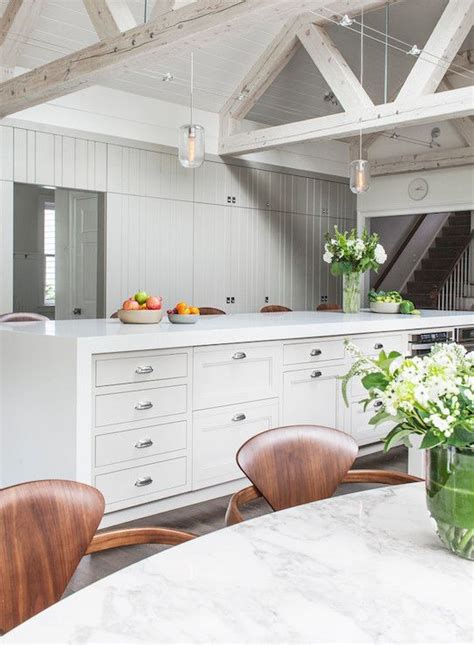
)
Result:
{"points": [[44, 159], [6, 245], [20, 155], [6, 153]]}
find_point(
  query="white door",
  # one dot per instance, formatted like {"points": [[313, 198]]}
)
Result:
{"points": [[76, 254]]}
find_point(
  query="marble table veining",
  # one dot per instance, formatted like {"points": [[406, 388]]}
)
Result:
{"points": [[361, 568]]}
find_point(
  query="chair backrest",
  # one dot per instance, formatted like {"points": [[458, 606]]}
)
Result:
{"points": [[45, 529], [22, 317], [114, 315], [270, 309], [297, 464], [211, 311], [328, 306]]}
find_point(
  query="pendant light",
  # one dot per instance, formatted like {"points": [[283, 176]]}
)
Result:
{"points": [[359, 176], [191, 136]]}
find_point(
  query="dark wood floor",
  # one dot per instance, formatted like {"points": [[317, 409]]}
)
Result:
{"points": [[204, 518]]}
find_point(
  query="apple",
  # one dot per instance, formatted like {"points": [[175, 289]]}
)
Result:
{"points": [[130, 305], [153, 302], [141, 297]]}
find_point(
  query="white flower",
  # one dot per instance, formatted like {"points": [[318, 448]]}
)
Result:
{"points": [[379, 254], [327, 257]]}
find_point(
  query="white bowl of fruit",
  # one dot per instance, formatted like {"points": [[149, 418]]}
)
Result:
{"points": [[141, 309], [183, 314]]}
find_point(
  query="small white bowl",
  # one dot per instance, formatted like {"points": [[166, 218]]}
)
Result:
{"points": [[385, 307], [183, 319], [140, 316]]}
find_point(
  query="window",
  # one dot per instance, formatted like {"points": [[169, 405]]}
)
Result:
{"points": [[49, 249]]}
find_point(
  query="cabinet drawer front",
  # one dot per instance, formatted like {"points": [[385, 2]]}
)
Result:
{"points": [[388, 342], [162, 477], [139, 369], [313, 351], [312, 396], [218, 436], [361, 430], [138, 443], [235, 373], [137, 405]]}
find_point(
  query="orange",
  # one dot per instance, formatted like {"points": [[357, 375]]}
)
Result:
{"points": [[194, 310], [181, 304], [182, 308]]}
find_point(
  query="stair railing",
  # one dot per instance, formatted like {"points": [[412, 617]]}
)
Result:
{"points": [[457, 283]]}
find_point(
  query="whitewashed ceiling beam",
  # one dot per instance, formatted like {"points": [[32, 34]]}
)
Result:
{"points": [[160, 7], [109, 17], [16, 24], [438, 53], [465, 126], [425, 109], [189, 27], [334, 68], [423, 161]]}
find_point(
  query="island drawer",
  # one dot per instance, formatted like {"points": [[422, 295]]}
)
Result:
{"points": [[313, 351], [361, 430], [139, 368], [313, 396], [161, 479], [138, 443], [137, 405], [372, 345], [235, 373], [219, 433]]}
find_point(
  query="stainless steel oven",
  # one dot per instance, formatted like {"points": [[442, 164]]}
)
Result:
{"points": [[465, 336], [421, 342]]}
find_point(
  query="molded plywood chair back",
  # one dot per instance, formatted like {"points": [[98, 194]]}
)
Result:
{"points": [[22, 317], [46, 527], [297, 464], [329, 307], [211, 311], [271, 309]]}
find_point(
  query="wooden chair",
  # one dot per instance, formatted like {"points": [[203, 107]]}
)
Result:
{"points": [[271, 309], [46, 527], [114, 315], [327, 306], [295, 465], [211, 311], [22, 317]]}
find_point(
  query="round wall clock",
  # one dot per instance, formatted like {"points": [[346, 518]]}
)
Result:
{"points": [[418, 189]]}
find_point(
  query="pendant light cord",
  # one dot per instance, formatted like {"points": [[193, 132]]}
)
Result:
{"points": [[361, 72], [192, 87]]}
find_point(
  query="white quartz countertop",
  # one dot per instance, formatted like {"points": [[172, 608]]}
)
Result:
{"points": [[213, 330], [361, 568]]}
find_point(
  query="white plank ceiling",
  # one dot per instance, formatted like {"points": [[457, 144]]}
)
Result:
{"points": [[299, 91]]}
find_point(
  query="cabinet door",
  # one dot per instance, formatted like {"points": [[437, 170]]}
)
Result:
{"points": [[218, 434], [212, 250], [360, 428], [313, 396]]}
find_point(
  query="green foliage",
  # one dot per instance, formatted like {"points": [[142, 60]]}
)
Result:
{"points": [[348, 252]]}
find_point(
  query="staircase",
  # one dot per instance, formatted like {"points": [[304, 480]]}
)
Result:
{"points": [[439, 261]]}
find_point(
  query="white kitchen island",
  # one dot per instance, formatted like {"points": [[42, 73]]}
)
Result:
{"points": [[153, 414]]}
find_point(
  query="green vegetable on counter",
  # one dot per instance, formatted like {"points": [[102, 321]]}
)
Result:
{"points": [[384, 296]]}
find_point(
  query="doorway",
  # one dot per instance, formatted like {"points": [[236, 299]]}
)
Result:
{"points": [[58, 260]]}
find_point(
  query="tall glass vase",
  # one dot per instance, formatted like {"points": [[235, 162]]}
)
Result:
{"points": [[351, 293], [450, 496]]}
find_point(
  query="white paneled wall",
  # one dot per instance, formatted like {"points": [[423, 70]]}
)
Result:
{"points": [[223, 231]]}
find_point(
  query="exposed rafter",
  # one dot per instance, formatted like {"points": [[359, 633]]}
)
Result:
{"points": [[465, 126], [110, 17], [423, 161], [334, 68], [188, 27], [442, 46], [16, 24], [425, 109]]}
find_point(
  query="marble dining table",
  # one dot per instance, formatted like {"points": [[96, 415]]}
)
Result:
{"points": [[366, 567]]}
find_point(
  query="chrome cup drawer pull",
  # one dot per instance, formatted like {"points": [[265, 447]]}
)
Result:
{"points": [[239, 356], [144, 443], [144, 369], [378, 346], [316, 374], [377, 404], [144, 405], [239, 417], [143, 481], [316, 352]]}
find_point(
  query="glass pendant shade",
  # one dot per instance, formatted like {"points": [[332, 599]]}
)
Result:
{"points": [[360, 176], [191, 145]]}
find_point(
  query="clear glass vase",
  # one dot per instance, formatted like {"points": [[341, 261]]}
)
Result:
{"points": [[450, 496], [351, 293]]}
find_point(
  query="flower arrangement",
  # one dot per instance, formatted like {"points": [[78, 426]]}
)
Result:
{"points": [[348, 253], [430, 395]]}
